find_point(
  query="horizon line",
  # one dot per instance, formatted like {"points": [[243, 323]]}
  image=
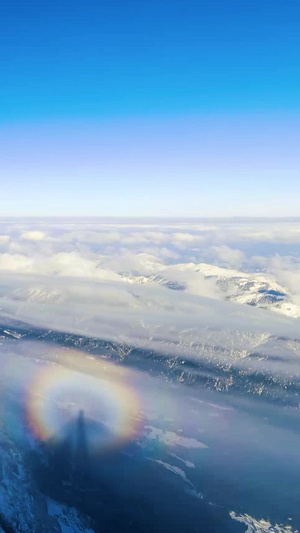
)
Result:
{"points": [[154, 217]]}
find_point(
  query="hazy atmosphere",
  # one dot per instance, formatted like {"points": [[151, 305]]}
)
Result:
{"points": [[149, 267]]}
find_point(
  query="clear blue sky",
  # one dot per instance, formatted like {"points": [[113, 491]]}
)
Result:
{"points": [[150, 107]]}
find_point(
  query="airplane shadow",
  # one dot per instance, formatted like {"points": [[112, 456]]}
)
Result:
{"points": [[120, 490]]}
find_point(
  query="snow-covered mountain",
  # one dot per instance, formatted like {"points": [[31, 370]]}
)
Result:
{"points": [[254, 289], [23, 507]]}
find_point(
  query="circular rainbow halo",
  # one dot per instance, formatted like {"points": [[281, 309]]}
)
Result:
{"points": [[96, 397]]}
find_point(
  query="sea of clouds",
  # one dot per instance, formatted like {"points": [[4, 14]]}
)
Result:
{"points": [[80, 275], [104, 248]]}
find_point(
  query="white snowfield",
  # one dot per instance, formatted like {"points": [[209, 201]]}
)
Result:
{"points": [[254, 289], [172, 439], [261, 526], [23, 506]]}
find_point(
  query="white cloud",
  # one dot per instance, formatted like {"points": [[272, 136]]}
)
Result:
{"points": [[229, 256], [126, 261], [16, 263], [193, 280], [183, 237], [286, 270], [70, 264], [33, 236], [92, 237], [98, 249]]}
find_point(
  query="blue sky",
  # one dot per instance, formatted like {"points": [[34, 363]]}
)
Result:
{"points": [[150, 108]]}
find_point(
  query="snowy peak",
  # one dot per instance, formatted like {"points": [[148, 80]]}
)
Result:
{"points": [[254, 289]]}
